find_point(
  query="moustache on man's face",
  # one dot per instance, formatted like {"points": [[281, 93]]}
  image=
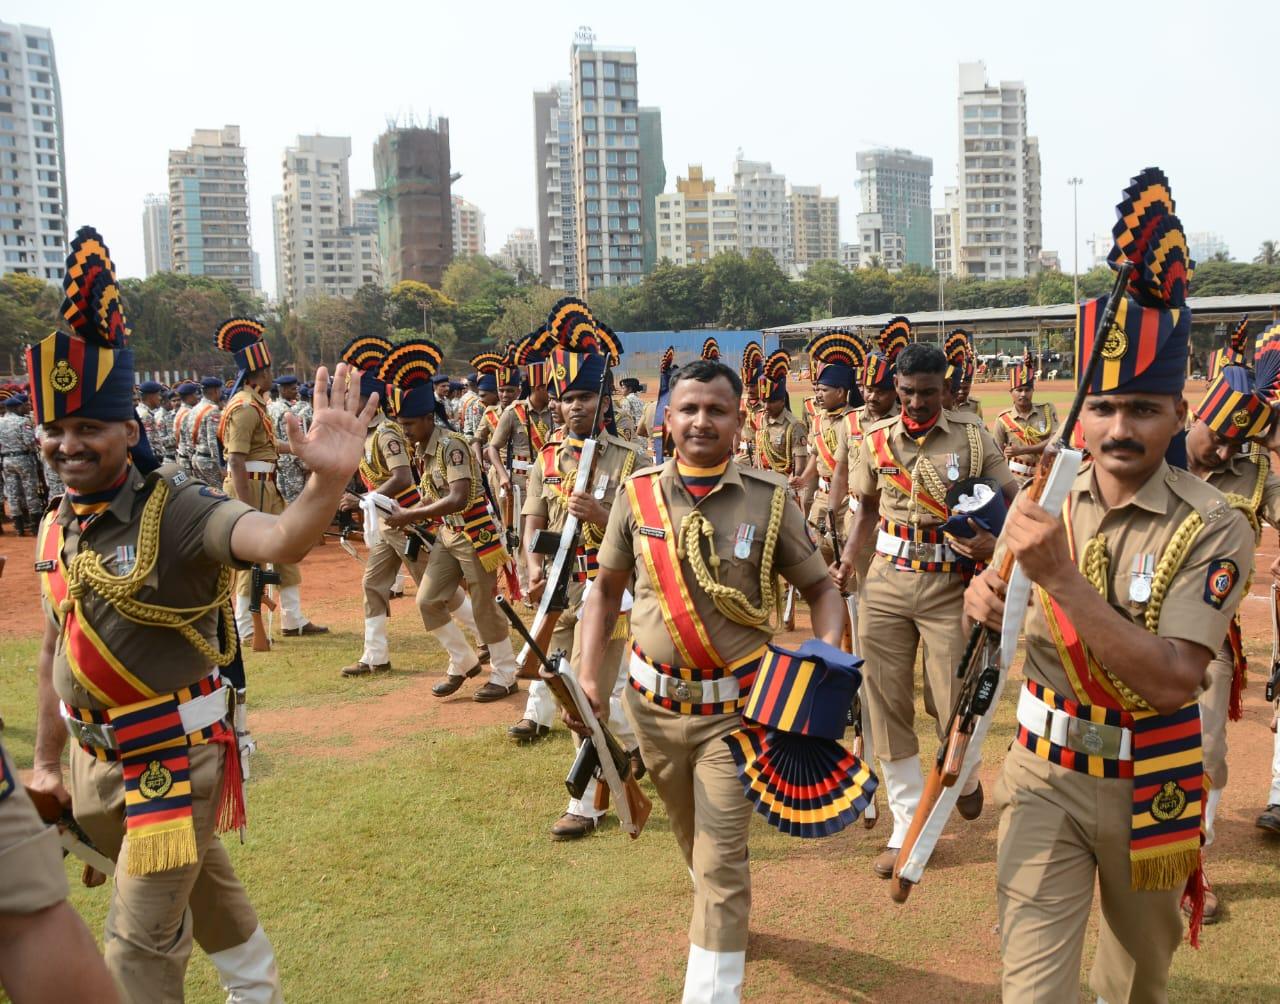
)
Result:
{"points": [[1123, 445]]}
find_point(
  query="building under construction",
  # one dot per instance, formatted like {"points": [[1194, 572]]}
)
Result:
{"points": [[415, 218]]}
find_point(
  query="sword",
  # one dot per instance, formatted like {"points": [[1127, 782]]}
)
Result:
{"points": [[71, 835]]}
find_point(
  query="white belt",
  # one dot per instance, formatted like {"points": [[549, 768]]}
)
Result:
{"points": [[852, 502], [258, 467], [1025, 470], [1076, 734], [912, 550], [520, 465], [824, 484], [196, 714], [687, 691]]}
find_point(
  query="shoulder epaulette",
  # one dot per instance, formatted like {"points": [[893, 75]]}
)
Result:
{"points": [[880, 423], [647, 471], [770, 477], [969, 417], [1201, 496]]}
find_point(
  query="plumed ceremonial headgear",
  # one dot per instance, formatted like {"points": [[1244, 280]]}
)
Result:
{"points": [[242, 337], [894, 337], [408, 369], [776, 368], [581, 359], [88, 373], [1146, 348], [840, 356], [1023, 374], [959, 352], [488, 365], [790, 761], [665, 367], [531, 352], [366, 353], [752, 365], [1237, 405], [711, 350]]}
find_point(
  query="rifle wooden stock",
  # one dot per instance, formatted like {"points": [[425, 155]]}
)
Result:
{"points": [[260, 578]]}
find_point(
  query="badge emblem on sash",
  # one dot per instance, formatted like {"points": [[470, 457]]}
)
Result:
{"points": [[155, 781], [1169, 802]]}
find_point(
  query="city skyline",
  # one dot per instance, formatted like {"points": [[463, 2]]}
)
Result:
{"points": [[808, 126]]}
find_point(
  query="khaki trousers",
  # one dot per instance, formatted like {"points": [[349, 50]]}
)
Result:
{"points": [[452, 561], [695, 775], [152, 918], [381, 568], [899, 610], [265, 497], [1059, 829], [1214, 705]]}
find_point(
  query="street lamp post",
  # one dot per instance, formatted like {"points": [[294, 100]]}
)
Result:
{"points": [[1075, 184]]}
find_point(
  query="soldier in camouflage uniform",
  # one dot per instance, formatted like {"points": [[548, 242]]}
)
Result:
{"points": [[206, 451], [21, 477], [290, 477], [188, 394], [150, 408], [164, 427]]}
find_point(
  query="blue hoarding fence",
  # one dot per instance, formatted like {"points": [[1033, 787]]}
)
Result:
{"points": [[642, 350]]}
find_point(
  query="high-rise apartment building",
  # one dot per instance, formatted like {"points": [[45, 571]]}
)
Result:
{"points": [[468, 228], [609, 212], [695, 222], [209, 208], [415, 210], [813, 226], [1203, 245], [895, 184], [33, 179], [946, 224], [520, 252], [553, 173], [312, 218], [999, 179], [762, 208], [653, 180], [156, 250]]}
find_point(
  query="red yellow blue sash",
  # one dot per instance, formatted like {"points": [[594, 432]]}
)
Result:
{"points": [[891, 469], [826, 453]]}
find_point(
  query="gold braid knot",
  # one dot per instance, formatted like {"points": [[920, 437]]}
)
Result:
{"points": [[87, 572], [731, 602]]}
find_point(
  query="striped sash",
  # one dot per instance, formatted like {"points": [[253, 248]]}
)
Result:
{"points": [[891, 469]]}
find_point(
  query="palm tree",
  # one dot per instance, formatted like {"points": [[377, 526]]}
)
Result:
{"points": [[1268, 254]]}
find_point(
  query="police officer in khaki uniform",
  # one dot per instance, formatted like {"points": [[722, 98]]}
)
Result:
{"points": [[1103, 780], [1222, 449], [839, 357], [136, 579], [247, 439], [913, 591], [781, 440], [960, 383], [694, 653], [46, 952], [551, 499], [468, 548], [1023, 431]]}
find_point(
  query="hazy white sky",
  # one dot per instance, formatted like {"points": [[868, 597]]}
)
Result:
{"points": [[1111, 89]]}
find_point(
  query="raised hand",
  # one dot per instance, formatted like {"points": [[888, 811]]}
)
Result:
{"points": [[331, 448]]}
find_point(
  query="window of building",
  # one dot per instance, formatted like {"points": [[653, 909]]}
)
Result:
{"points": [[588, 106], [610, 89], [588, 158], [588, 69], [632, 158], [610, 69], [628, 72]]}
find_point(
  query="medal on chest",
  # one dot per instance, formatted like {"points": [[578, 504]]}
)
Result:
{"points": [[953, 466], [1144, 570], [742, 542]]}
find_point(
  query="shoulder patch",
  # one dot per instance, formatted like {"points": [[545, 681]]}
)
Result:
{"points": [[1219, 581], [393, 447], [213, 493]]}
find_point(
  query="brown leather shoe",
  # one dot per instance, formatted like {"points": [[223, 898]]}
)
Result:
{"points": [[306, 629], [638, 769], [494, 692], [527, 730], [1270, 819], [884, 862], [572, 827], [970, 806], [451, 683], [364, 669]]}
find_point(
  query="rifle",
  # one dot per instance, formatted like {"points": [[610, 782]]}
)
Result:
{"points": [[259, 579], [600, 755], [97, 866], [1273, 681], [564, 547], [984, 667]]}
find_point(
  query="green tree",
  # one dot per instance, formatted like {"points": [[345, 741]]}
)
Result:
{"points": [[522, 313], [476, 277], [1268, 254], [416, 306], [29, 310]]}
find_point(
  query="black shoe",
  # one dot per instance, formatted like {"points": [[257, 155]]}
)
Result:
{"points": [[494, 692], [527, 730], [1270, 819], [970, 806], [308, 628], [451, 683]]}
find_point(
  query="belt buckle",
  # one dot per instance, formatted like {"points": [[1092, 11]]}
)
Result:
{"points": [[920, 550], [1087, 737], [99, 734], [687, 691]]}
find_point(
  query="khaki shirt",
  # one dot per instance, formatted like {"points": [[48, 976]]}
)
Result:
{"points": [[972, 407], [446, 458], [511, 428], [1036, 427], [742, 499], [1202, 596], [776, 431], [945, 448], [615, 461], [244, 431], [385, 450], [855, 424], [1239, 476], [31, 873], [830, 425], [195, 541]]}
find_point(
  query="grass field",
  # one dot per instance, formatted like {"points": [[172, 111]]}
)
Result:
{"points": [[398, 848]]}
